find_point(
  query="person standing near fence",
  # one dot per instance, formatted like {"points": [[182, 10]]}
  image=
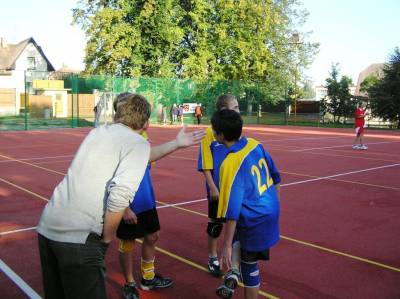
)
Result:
{"points": [[180, 114], [80, 220], [359, 127], [198, 113], [174, 113]]}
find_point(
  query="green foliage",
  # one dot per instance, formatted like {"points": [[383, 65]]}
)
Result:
{"points": [[308, 91], [339, 101], [247, 40], [368, 82], [384, 94]]}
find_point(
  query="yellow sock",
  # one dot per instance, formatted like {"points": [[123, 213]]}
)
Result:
{"points": [[126, 245], [147, 268]]}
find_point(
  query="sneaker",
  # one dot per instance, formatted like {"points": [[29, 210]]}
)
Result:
{"points": [[356, 146], [157, 282], [214, 268], [363, 147], [130, 291], [231, 281], [224, 292]]}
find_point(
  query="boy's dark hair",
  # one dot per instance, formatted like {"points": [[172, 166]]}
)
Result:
{"points": [[227, 122], [133, 111], [223, 100]]}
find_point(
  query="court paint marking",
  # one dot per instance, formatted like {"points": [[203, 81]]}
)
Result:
{"points": [[200, 267], [296, 139], [18, 281], [300, 242], [340, 174], [30, 164], [180, 204], [29, 291], [17, 231], [336, 146], [343, 181], [41, 158], [23, 189]]}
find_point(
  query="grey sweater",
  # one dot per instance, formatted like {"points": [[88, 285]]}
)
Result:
{"points": [[104, 174]]}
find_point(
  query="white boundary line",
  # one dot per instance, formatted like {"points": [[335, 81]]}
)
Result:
{"points": [[32, 294], [18, 281], [347, 145], [181, 203], [41, 158], [17, 230], [340, 174]]}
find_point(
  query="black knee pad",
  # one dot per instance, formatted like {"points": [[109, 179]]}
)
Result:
{"points": [[214, 229]]}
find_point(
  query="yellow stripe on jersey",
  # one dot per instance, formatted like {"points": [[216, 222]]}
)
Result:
{"points": [[206, 156], [228, 172]]}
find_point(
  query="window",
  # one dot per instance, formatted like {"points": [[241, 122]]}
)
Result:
{"points": [[31, 63]]}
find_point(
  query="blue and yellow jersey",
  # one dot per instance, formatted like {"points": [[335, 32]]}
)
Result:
{"points": [[144, 198], [246, 182], [205, 160]]}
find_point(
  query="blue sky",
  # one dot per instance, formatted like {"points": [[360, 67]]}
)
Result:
{"points": [[353, 33]]}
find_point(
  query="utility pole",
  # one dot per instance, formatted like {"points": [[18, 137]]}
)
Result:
{"points": [[296, 42]]}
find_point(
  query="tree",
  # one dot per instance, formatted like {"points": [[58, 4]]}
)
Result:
{"points": [[129, 37], [384, 94], [307, 92], [247, 40], [338, 101]]}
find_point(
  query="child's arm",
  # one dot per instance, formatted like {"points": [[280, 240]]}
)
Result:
{"points": [[226, 255], [214, 193]]}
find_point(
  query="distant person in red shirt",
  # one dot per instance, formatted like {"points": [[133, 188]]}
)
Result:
{"points": [[359, 125], [198, 113]]}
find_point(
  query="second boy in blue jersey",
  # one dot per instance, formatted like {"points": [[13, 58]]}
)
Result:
{"points": [[248, 183]]}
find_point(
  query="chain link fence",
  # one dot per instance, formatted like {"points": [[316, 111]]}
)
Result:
{"points": [[39, 100]]}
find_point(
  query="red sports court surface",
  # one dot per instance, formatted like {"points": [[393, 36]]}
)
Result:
{"points": [[340, 214]]}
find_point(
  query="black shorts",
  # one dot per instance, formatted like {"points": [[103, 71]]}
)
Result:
{"points": [[254, 256], [147, 223], [212, 209]]}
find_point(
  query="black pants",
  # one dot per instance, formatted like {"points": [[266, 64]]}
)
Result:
{"points": [[198, 119], [72, 270]]}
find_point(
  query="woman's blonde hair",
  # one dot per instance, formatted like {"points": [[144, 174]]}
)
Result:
{"points": [[133, 110]]}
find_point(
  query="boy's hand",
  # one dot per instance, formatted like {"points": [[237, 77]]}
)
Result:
{"points": [[226, 258], [184, 139], [129, 217], [214, 194]]}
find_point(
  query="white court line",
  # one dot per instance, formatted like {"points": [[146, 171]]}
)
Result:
{"points": [[18, 281], [347, 145], [304, 138], [17, 230], [32, 294], [339, 174], [41, 158], [182, 203]]}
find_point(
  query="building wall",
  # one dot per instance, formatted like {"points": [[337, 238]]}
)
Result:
{"points": [[15, 79]]}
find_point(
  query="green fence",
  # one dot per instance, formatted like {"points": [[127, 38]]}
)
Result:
{"points": [[40, 100]]}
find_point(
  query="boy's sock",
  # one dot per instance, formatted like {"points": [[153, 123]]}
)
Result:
{"points": [[147, 269]]}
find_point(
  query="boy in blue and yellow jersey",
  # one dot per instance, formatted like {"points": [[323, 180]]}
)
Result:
{"points": [[206, 165], [248, 183], [141, 220]]}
